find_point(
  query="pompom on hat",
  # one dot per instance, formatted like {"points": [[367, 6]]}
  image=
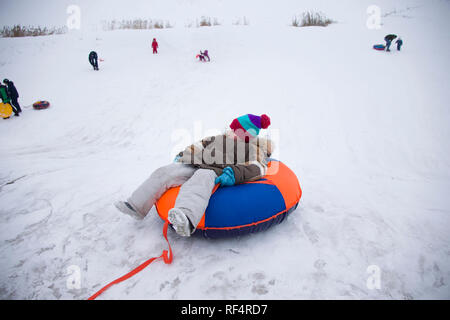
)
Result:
{"points": [[249, 125]]}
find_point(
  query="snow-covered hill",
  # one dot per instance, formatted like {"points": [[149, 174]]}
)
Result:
{"points": [[366, 132]]}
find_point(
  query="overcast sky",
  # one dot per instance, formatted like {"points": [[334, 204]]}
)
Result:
{"points": [[53, 12], [178, 12]]}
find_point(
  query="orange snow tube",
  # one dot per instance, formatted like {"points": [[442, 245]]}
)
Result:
{"points": [[244, 208]]}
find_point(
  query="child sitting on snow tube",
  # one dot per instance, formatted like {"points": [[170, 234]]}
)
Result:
{"points": [[235, 157]]}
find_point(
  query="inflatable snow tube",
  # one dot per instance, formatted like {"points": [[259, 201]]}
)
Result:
{"points": [[245, 208], [379, 47], [5, 110], [41, 105]]}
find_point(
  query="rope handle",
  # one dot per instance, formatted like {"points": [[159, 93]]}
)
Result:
{"points": [[166, 255]]}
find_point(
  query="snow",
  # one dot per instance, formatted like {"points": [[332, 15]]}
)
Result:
{"points": [[366, 132]]}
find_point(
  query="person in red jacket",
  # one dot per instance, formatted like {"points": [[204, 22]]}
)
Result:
{"points": [[155, 46]]}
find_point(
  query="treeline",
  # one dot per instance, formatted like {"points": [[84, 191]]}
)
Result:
{"points": [[310, 19], [138, 24], [30, 31], [307, 19]]}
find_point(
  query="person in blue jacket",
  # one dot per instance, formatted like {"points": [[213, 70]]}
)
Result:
{"points": [[399, 43]]}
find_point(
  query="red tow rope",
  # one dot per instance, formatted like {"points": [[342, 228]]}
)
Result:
{"points": [[166, 255]]}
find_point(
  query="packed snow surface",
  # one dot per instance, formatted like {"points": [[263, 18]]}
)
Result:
{"points": [[366, 132]]}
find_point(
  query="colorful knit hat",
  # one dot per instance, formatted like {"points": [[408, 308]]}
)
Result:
{"points": [[248, 126]]}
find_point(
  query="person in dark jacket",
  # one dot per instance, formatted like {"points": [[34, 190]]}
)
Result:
{"points": [[13, 94], [399, 43], [388, 40], [93, 59], [7, 99]]}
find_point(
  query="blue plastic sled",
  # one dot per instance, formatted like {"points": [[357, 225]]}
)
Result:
{"points": [[379, 47]]}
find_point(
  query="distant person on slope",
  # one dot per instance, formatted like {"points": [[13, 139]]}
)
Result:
{"points": [[201, 56], [399, 43], [93, 59], [205, 54], [234, 157], [13, 94], [388, 40], [155, 46], [6, 99]]}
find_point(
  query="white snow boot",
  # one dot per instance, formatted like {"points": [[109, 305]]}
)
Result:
{"points": [[127, 208], [180, 222]]}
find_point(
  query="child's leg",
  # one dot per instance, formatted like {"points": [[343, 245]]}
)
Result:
{"points": [[194, 195], [162, 179]]}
